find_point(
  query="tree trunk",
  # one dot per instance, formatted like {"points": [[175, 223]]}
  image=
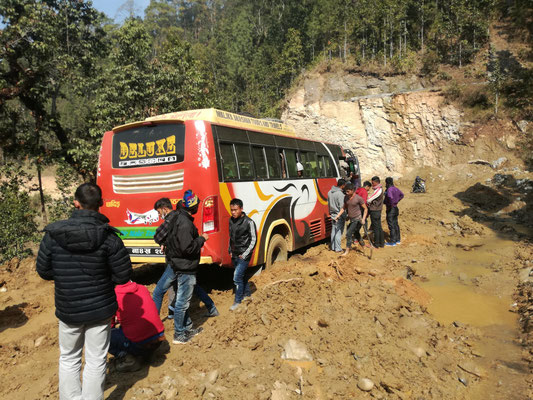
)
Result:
{"points": [[460, 50], [496, 103], [422, 28], [345, 40], [41, 192], [384, 43], [391, 44], [364, 45]]}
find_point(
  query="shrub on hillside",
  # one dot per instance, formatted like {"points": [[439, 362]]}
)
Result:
{"points": [[18, 227], [66, 181]]}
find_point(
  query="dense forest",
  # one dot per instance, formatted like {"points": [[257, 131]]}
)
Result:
{"points": [[68, 72]]}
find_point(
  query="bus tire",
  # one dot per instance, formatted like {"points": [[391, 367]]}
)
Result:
{"points": [[277, 250]]}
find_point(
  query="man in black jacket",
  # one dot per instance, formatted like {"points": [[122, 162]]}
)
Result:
{"points": [[242, 240], [183, 245], [85, 258]]}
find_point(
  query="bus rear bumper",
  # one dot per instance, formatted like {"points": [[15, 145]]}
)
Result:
{"points": [[148, 251]]}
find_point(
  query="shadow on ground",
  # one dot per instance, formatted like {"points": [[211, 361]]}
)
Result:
{"points": [[504, 205], [13, 316]]}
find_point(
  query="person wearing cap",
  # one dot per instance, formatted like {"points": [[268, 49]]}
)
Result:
{"points": [[183, 245], [299, 169], [160, 237]]}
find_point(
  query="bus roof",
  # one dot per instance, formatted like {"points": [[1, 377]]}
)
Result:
{"points": [[220, 117]]}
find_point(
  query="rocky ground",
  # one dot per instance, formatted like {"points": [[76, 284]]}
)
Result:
{"points": [[433, 318]]}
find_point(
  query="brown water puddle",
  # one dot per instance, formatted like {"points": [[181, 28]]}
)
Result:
{"points": [[455, 301], [456, 298]]}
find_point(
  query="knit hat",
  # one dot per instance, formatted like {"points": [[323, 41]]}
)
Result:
{"points": [[190, 200]]}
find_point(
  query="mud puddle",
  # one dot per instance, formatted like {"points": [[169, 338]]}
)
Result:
{"points": [[467, 293]]}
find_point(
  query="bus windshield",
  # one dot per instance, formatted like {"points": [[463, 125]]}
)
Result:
{"points": [[149, 145]]}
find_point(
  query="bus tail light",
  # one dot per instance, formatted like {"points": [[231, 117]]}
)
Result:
{"points": [[210, 215]]}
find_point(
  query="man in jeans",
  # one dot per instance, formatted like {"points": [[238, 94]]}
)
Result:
{"points": [[183, 245], [160, 237], [85, 258], [393, 195], [363, 192], [375, 205], [335, 204], [353, 203], [242, 240]]}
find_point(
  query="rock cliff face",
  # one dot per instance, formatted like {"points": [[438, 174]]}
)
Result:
{"points": [[391, 124]]}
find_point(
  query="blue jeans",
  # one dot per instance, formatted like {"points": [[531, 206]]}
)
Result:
{"points": [[242, 288], [352, 232], [165, 282], [182, 321], [198, 292], [121, 345], [392, 222], [337, 227]]}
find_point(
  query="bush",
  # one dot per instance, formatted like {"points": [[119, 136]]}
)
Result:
{"points": [[445, 76], [66, 180], [453, 91], [430, 63], [18, 226]]}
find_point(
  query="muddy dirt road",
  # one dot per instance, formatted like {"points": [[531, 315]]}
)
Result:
{"points": [[436, 317]]}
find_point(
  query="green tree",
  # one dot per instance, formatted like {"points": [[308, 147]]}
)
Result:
{"points": [[18, 226]]}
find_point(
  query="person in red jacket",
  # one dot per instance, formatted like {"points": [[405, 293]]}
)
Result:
{"points": [[141, 330]]}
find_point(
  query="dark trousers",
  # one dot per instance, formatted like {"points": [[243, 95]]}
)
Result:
{"points": [[353, 232], [379, 236], [392, 222]]}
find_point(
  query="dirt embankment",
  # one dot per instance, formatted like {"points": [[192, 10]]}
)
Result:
{"points": [[382, 316]]}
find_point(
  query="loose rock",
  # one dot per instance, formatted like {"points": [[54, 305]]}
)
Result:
{"points": [[39, 340], [295, 351], [365, 384]]}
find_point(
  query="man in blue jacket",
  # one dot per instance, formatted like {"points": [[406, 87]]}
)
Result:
{"points": [[85, 258]]}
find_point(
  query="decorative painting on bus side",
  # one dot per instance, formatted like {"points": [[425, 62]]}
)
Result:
{"points": [[293, 202]]}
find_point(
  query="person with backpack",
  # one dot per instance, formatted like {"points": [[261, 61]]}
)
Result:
{"points": [[85, 258], [393, 196], [183, 245]]}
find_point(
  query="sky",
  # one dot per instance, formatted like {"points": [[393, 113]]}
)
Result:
{"points": [[110, 8]]}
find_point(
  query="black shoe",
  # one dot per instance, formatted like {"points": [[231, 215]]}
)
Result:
{"points": [[186, 336], [213, 313]]}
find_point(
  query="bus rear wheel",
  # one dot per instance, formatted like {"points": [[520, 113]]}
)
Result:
{"points": [[277, 250]]}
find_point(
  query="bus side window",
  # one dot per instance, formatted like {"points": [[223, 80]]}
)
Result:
{"points": [[259, 162], [245, 161], [283, 165], [330, 167], [321, 167], [291, 160], [228, 161], [309, 162], [272, 162]]}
